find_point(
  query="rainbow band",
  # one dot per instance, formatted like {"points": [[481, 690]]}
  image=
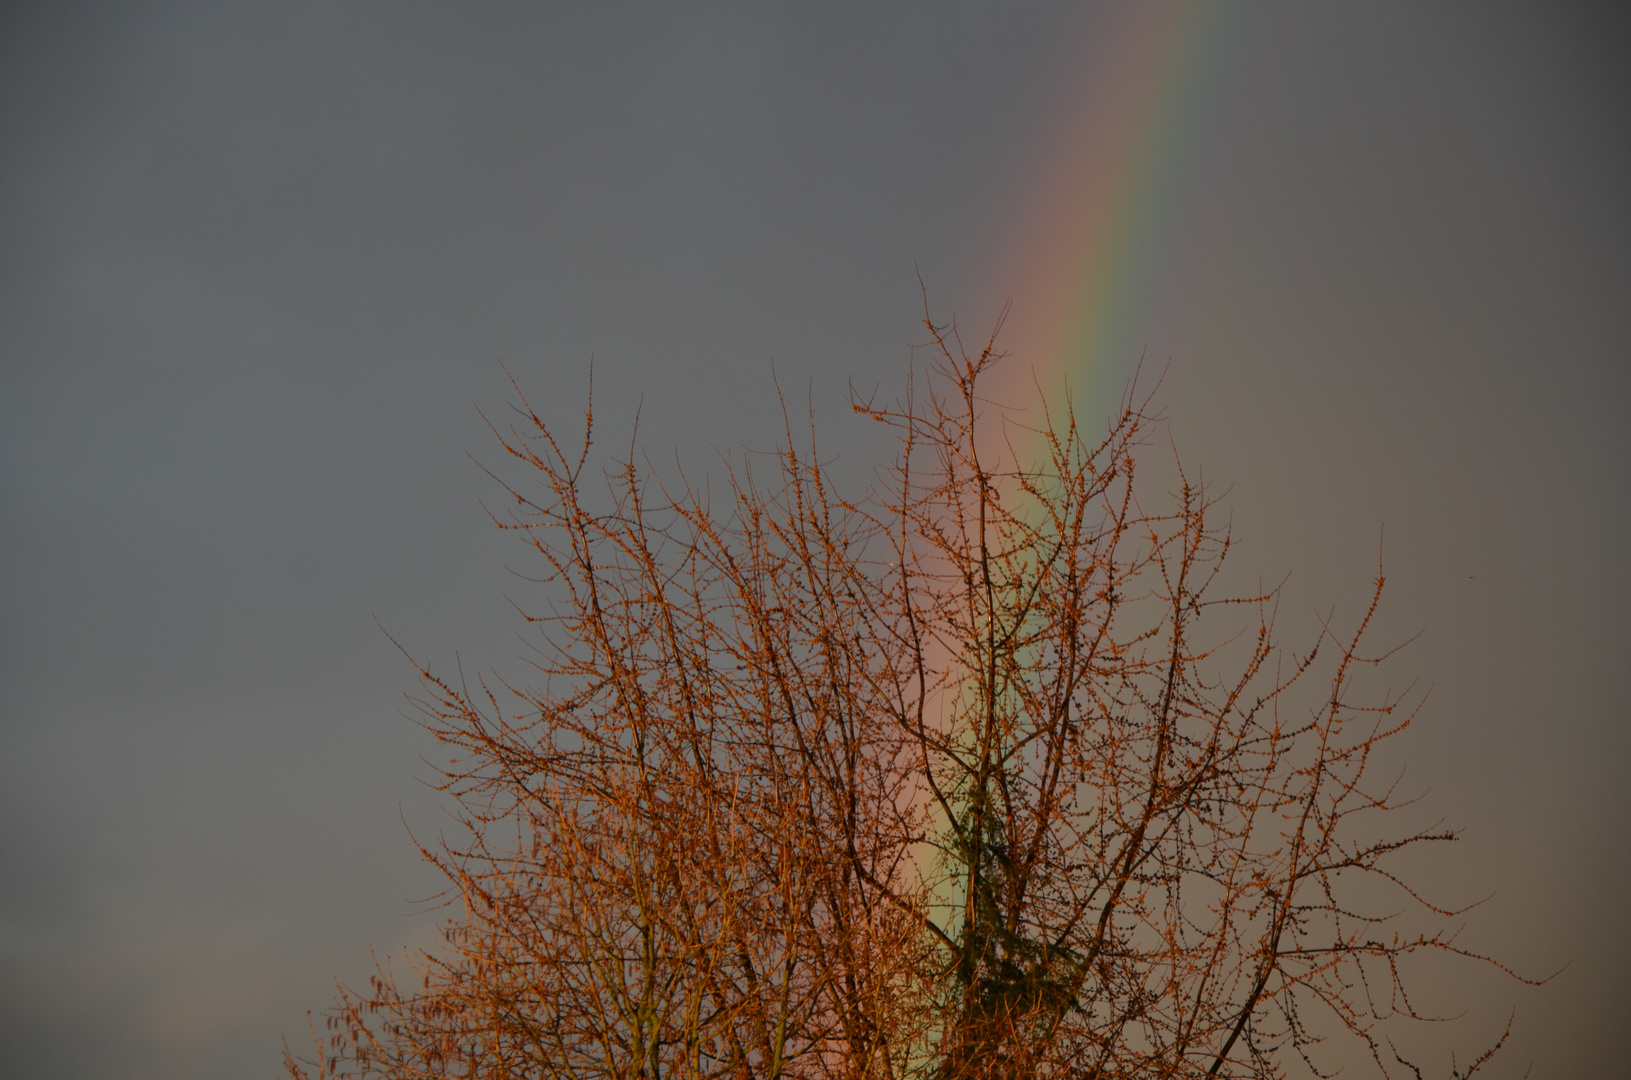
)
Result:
{"points": [[1092, 273]]}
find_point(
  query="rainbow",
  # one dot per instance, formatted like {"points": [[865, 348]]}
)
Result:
{"points": [[1094, 267], [1094, 263]]}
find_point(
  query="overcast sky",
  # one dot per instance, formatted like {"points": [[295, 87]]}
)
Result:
{"points": [[264, 265]]}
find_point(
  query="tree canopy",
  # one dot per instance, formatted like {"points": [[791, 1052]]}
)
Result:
{"points": [[974, 777]]}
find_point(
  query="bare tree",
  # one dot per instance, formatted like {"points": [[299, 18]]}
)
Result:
{"points": [[943, 783]]}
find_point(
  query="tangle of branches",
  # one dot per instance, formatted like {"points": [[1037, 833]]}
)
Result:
{"points": [[973, 778]]}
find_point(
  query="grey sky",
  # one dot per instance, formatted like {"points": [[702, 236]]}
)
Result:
{"points": [[260, 265]]}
